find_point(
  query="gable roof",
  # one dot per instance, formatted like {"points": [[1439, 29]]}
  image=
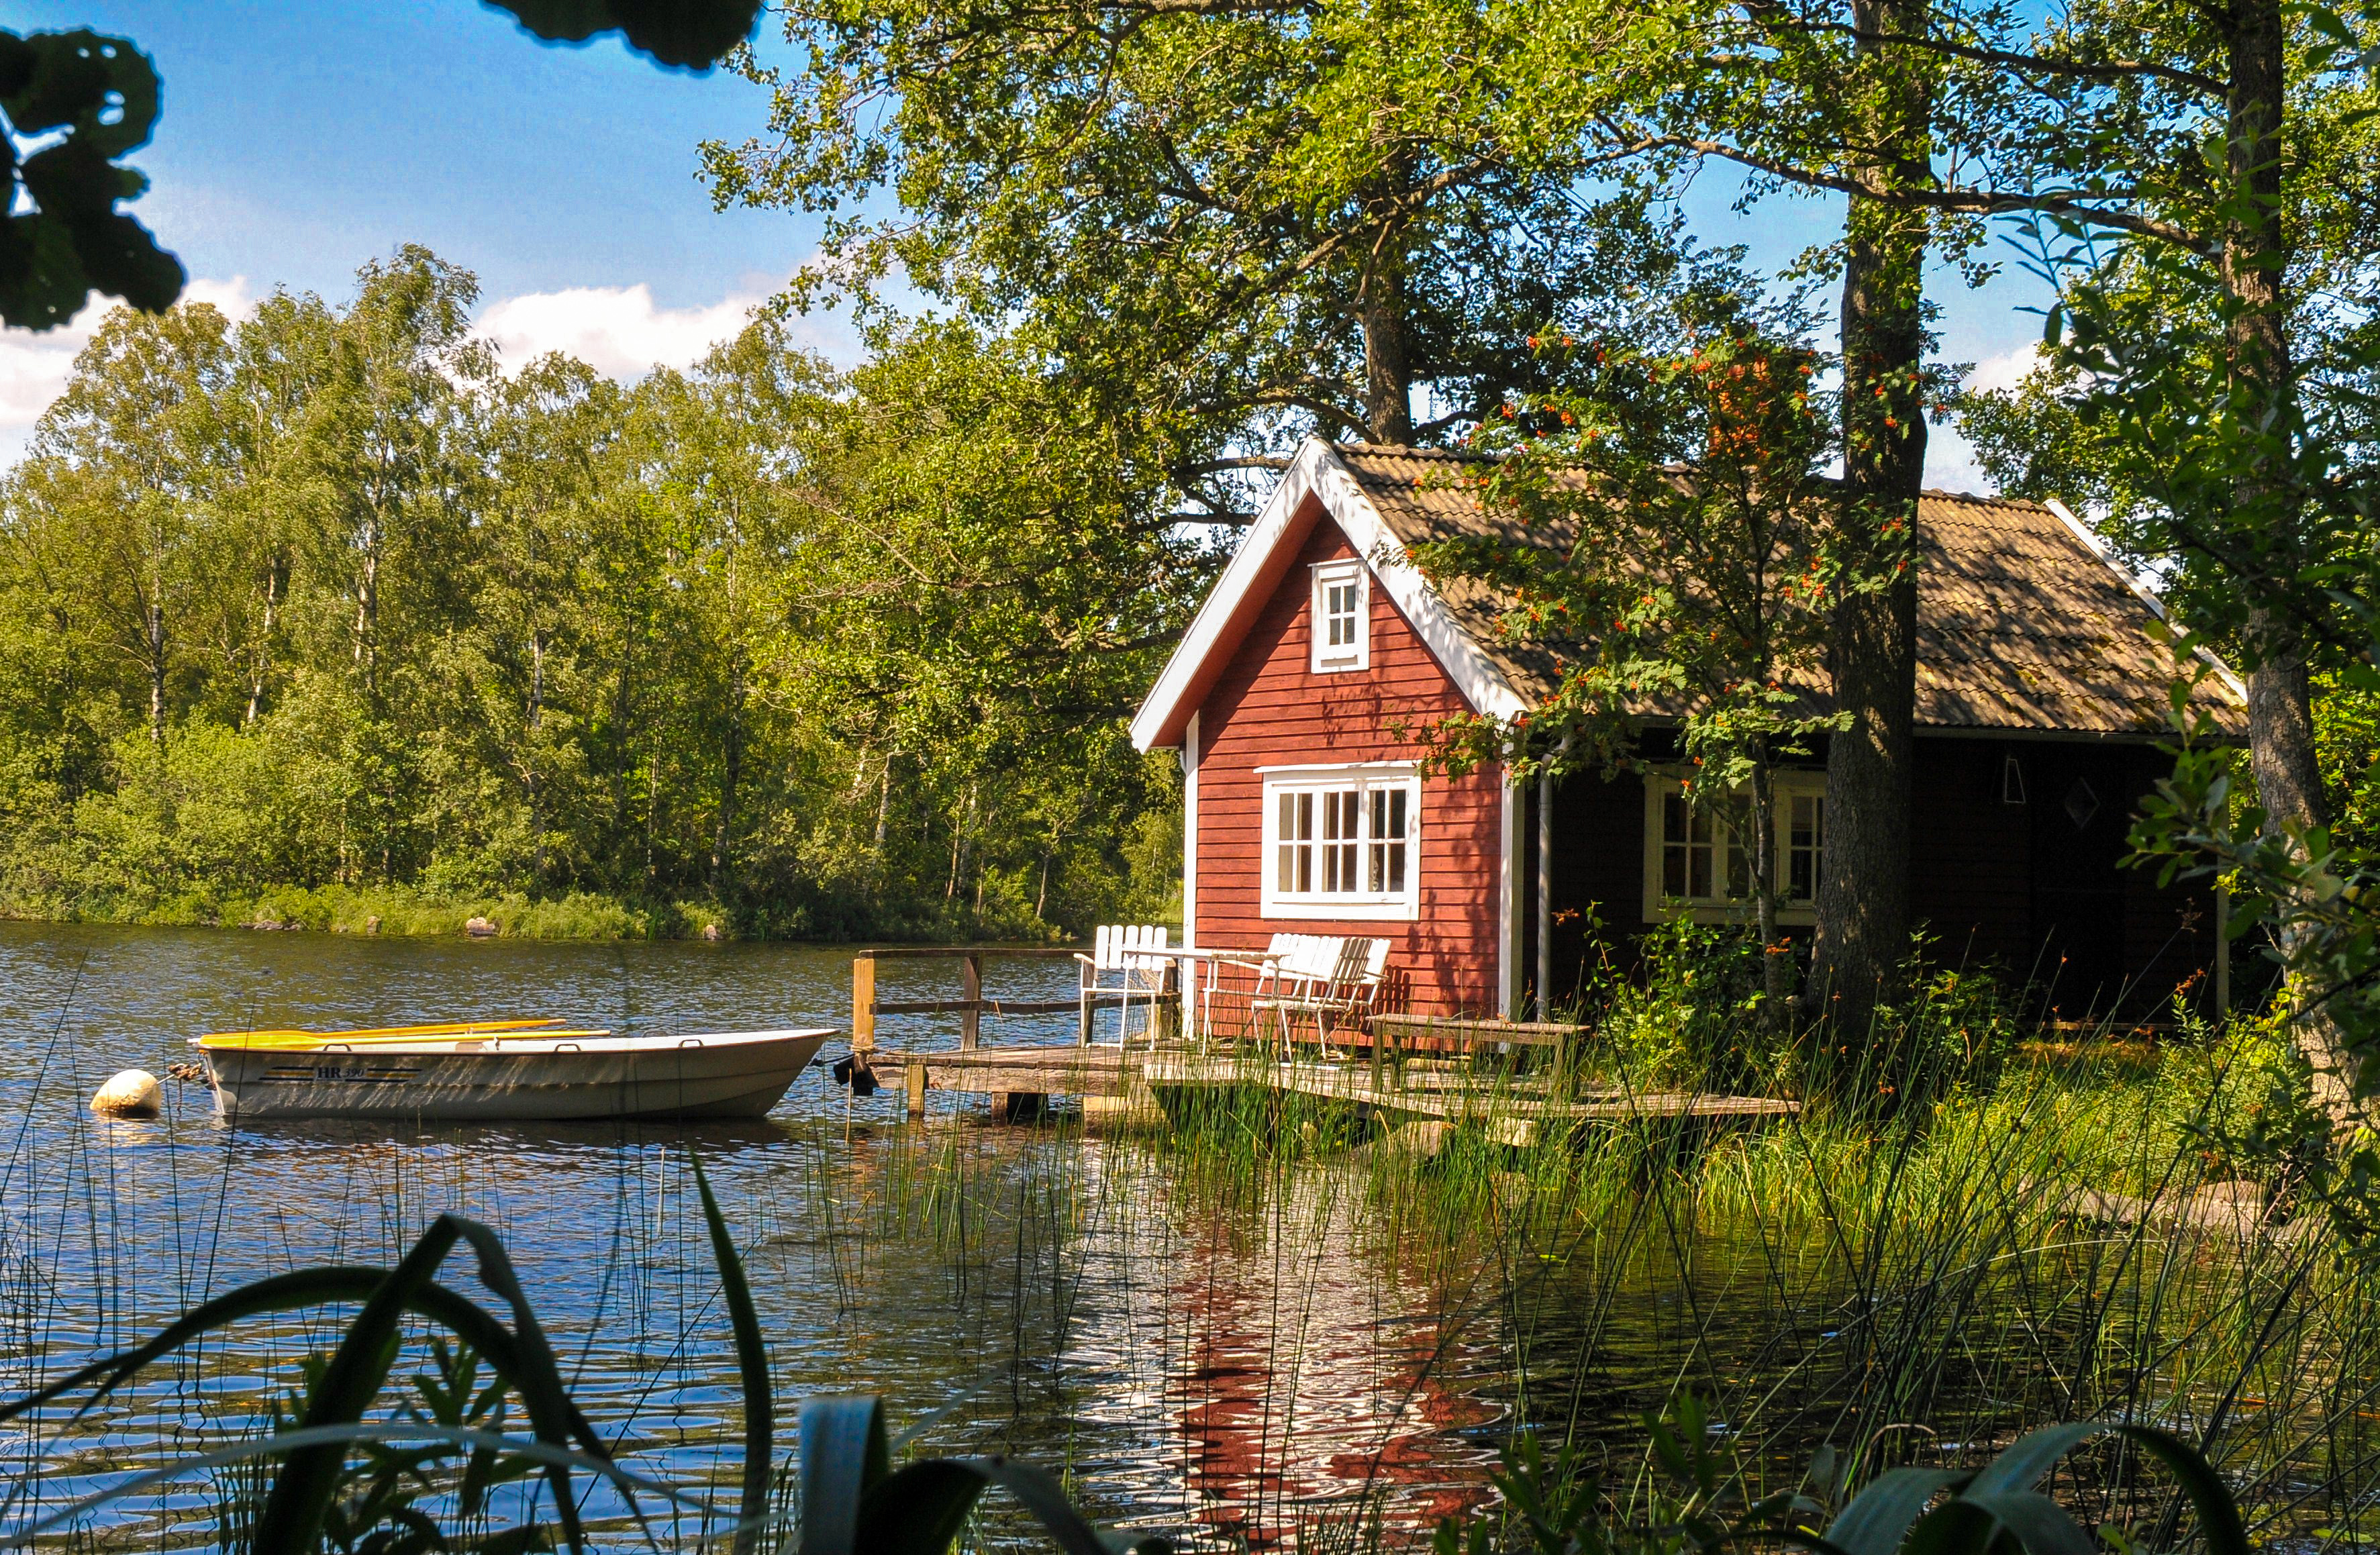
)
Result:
{"points": [[2024, 623]]}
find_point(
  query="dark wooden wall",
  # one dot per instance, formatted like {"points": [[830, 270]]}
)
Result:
{"points": [[2036, 891]]}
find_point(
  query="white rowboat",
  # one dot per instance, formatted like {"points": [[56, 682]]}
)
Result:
{"points": [[502, 1069]]}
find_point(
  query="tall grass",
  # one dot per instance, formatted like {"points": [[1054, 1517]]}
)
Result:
{"points": [[1962, 1235]]}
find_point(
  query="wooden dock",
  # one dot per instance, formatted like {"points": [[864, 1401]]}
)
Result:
{"points": [[1020, 1081], [1010, 1076], [1505, 1077], [1512, 1111]]}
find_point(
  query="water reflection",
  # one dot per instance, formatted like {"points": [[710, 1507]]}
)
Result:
{"points": [[1230, 1372]]}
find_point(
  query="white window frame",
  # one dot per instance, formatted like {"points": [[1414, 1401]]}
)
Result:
{"points": [[1660, 907], [1325, 657], [1377, 785]]}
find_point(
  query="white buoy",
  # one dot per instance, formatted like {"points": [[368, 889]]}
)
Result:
{"points": [[132, 1094]]}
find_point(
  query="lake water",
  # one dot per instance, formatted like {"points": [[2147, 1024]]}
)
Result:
{"points": [[1227, 1366], [1236, 1360]]}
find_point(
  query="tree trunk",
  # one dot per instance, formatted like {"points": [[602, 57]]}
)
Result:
{"points": [[535, 720], [1871, 651], [1387, 375], [262, 664], [368, 609], [2280, 700], [1776, 964], [730, 774], [155, 633]]}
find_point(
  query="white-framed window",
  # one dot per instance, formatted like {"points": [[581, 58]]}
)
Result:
{"points": [[1341, 842], [1343, 617], [1696, 865]]}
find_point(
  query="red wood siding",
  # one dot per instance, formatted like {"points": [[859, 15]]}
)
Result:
{"points": [[1267, 708]]}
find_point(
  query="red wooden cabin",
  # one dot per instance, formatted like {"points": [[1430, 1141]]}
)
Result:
{"points": [[1297, 696]]}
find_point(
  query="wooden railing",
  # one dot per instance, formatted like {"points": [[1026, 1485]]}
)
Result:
{"points": [[970, 1006]]}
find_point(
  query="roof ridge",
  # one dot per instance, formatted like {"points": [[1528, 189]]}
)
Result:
{"points": [[1407, 451], [2033, 504]]}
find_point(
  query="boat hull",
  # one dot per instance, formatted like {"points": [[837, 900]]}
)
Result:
{"points": [[709, 1074]]}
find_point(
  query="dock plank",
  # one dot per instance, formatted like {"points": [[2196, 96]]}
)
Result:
{"points": [[1504, 1104]]}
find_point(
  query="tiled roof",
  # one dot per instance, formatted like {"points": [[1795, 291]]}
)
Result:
{"points": [[2021, 625]]}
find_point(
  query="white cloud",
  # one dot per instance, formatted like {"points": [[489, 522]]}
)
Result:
{"points": [[617, 331], [1951, 462], [2005, 372], [34, 366]]}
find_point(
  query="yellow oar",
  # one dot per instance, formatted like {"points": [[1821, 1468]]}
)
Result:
{"points": [[291, 1037]]}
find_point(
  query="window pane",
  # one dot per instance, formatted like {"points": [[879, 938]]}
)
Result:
{"points": [[1285, 870], [1698, 869], [1397, 866], [1673, 869], [1396, 827], [1305, 816], [1673, 818], [1739, 869], [1304, 870]]}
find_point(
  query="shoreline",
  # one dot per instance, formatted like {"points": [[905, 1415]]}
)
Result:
{"points": [[401, 913]]}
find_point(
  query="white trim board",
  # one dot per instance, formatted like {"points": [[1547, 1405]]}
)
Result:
{"points": [[1190, 831], [2140, 589], [1318, 472]]}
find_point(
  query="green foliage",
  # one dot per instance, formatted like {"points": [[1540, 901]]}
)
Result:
{"points": [[325, 616], [2347, 745], [1231, 226], [691, 34], [378, 1511], [61, 235], [1665, 555], [1693, 1018], [1555, 1507]]}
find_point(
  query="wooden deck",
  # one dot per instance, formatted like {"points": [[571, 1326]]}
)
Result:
{"points": [[1094, 1071], [1511, 1111]]}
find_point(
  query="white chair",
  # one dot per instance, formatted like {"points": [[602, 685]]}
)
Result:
{"points": [[1333, 980], [1120, 966], [1262, 970]]}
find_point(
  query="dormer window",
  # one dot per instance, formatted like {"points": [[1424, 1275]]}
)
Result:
{"points": [[1342, 616]]}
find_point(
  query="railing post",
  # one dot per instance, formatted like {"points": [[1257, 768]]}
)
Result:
{"points": [[1166, 1011], [863, 1002], [971, 986]]}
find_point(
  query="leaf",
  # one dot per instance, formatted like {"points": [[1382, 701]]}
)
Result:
{"points": [[752, 1361], [842, 1455], [2038, 1522], [919, 1509], [2021, 1464], [1047, 1500], [291, 1519], [1879, 1516], [689, 35]]}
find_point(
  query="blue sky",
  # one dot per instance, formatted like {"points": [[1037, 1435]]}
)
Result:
{"points": [[301, 139]]}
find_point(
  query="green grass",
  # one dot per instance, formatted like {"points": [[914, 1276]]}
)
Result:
{"points": [[397, 911]]}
